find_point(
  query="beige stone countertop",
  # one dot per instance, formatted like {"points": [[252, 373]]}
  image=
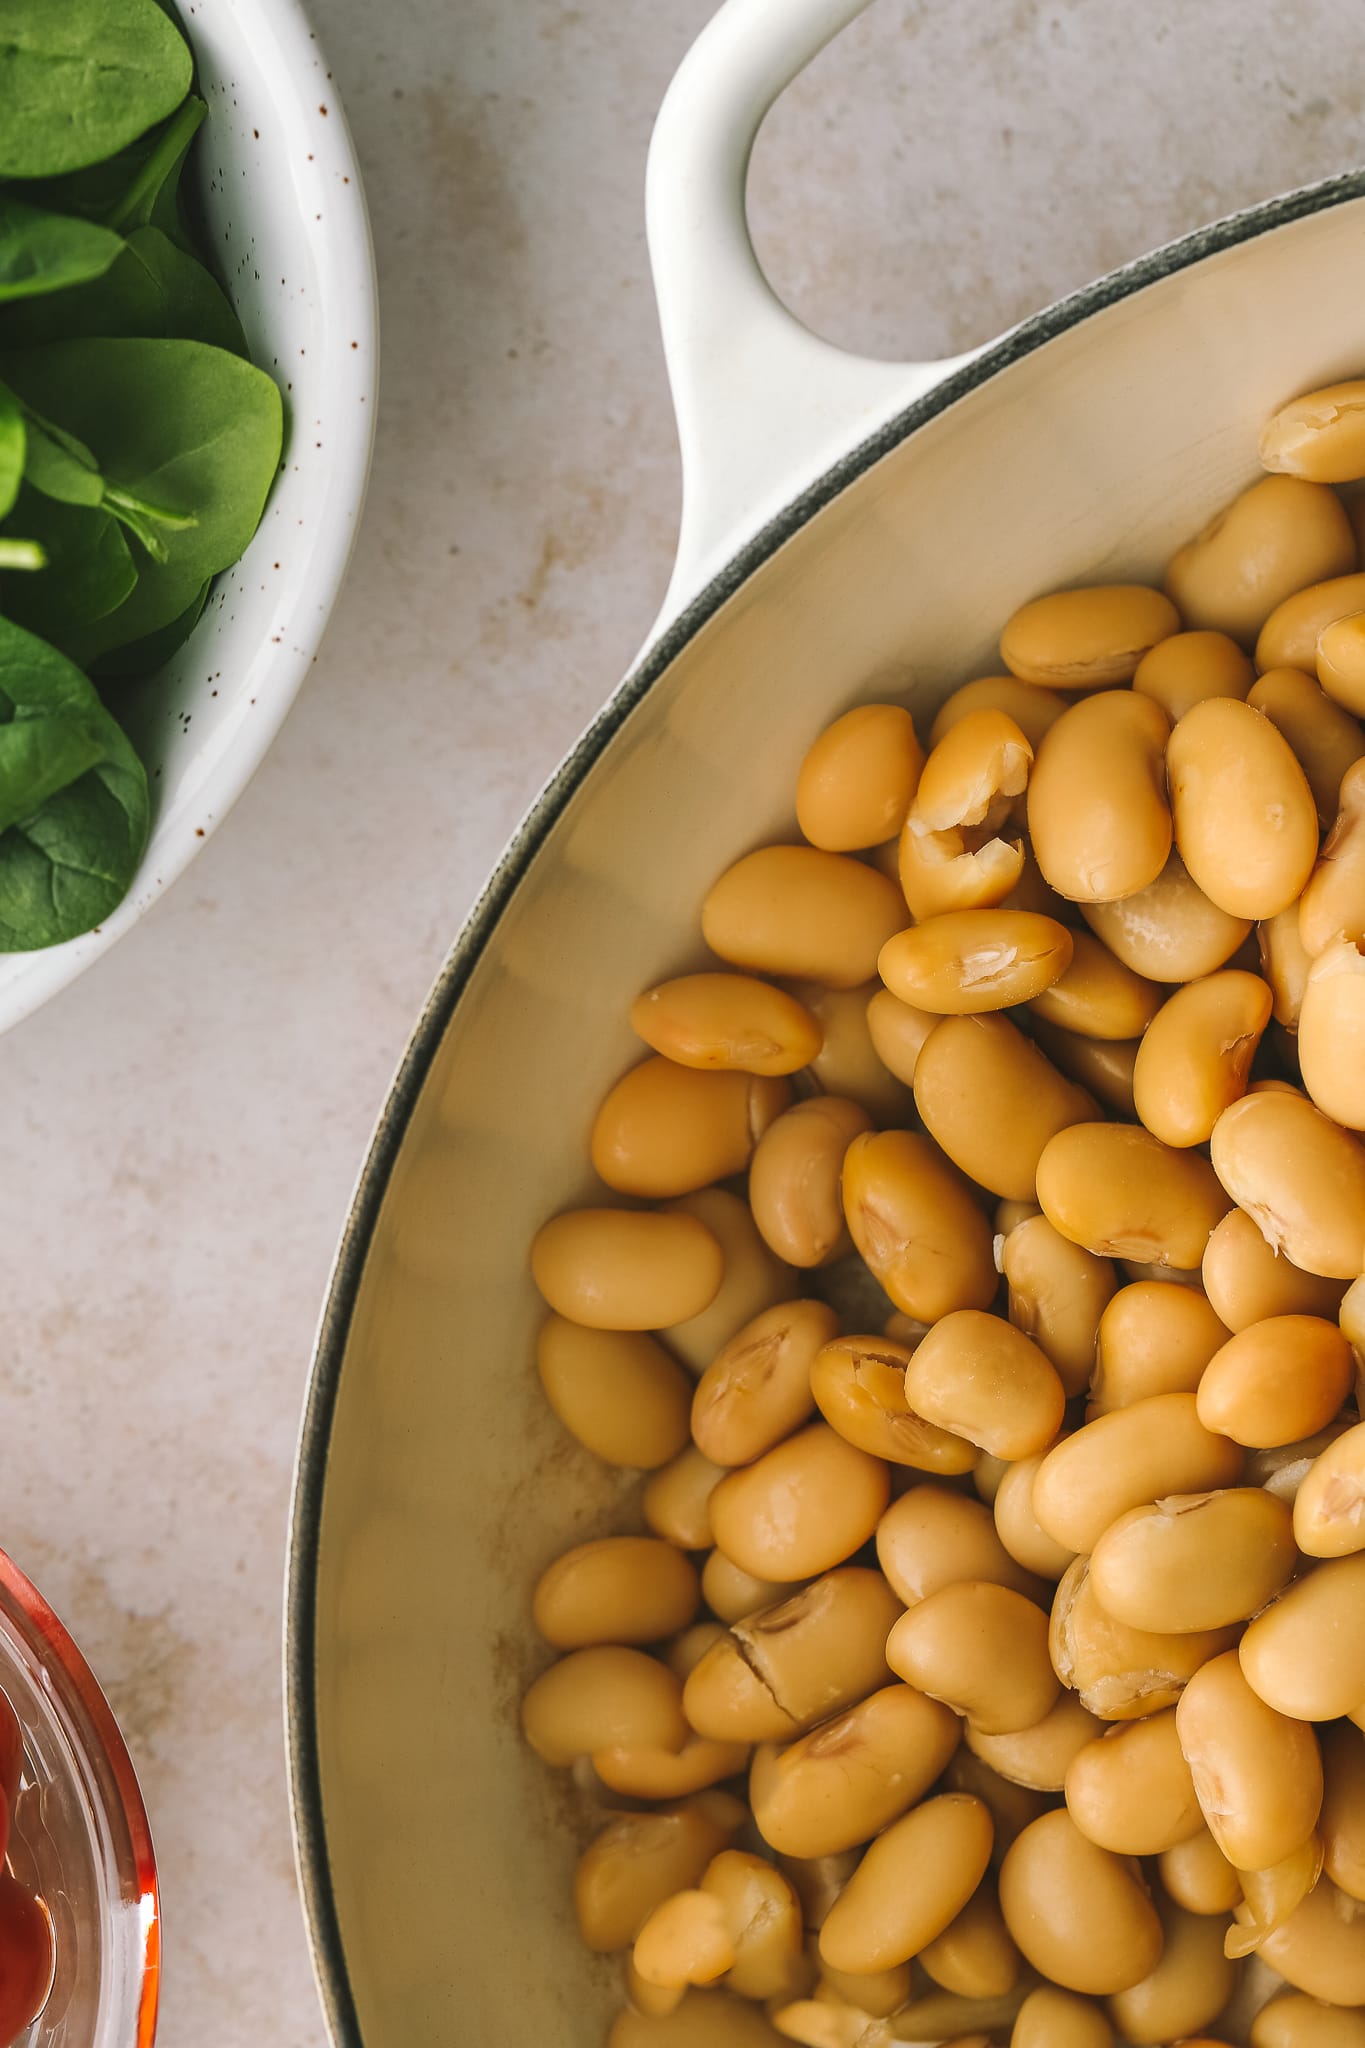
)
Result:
{"points": [[180, 1131]]}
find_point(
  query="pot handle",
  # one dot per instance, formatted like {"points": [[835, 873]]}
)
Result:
{"points": [[763, 405]]}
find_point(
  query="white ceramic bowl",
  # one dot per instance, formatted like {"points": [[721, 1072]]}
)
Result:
{"points": [[849, 529], [283, 203]]}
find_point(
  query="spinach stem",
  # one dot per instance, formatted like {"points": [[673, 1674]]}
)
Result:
{"points": [[173, 143], [22, 554]]}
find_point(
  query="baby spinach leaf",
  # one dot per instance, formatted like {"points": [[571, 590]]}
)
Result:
{"points": [[89, 568], [153, 290], [46, 252], [177, 425], [61, 467], [80, 79], [144, 657], [152, 189], [13, 443], [68, 857]]}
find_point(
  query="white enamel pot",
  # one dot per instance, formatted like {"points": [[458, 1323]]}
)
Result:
{"points": [[848, 528]]}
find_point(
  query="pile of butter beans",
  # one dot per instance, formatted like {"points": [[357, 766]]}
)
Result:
{"points": [[980, 1290]]}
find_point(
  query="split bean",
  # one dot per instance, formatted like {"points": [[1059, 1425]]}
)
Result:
{"points": [[620, 1589], [1322, 436], [916, 1225], [778, 1672], [1032, 708], [1097, 810], [757, 1388], [978, 1376], [1276, 1382], [1121, 1673], [1169, 931], [617, 1391], [1305, 1655], [991, 1100], [1329, 1507], [1289, 637], [858, 778], [982, 1650], [912, 1883], [797, 910], [932, 1537], [943, 871], [1196, 1056], [1195, 1560], [852, 1776], [1246, 1280], [1122, 1194], [802, 1507], [967, 961], [1324, 738], [1058, 1292], [859, 1385], [726, 1021], [1246, 824], [795, 1178], [1083, 639], [974, 771], [626, 1269], [1153, 1339], [1300, 1177], [1320, 1948], [1332, 1033], [1080, 1914], [1280, 534]]}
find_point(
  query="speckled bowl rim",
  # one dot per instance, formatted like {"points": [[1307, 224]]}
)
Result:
{"points": [[310, 1840]]}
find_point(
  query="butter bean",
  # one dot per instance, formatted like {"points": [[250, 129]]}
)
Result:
{"points": [[817, 1882], [848, 1064], [1169, 931], [1324, 738], [686, 1651], [667, 1130], [1098, 997], [757, 1388], [1039, 1756], [1351, 1316], [1322, 436], [733, 1595], [974, 1956], [1246, 824], [704, 2019], [1300, 1178], [1332, 1033], [753, 1278], [1188, 667], [1103, 1066], [879, 1992], [1080, 1915], [1126, 1459], [1282, 1468], [982, 1650], [762, 1917], [980, 763], [625, 1269], [1333, 904], [852, 1776], [1050, 2018], [1321, 1947], [797, 910], [1196, 1057], [976, 1375], [676, 1502], [1277, 1381], [1123, 1194], [726, 1021], [617, 1391], [991, 1100], [803, 1506], [1032, 708], [1057, 1295], [620, 1589], [1019, 1529], [1329, 1508], [781, 1671], [1011, 1807], [1305, 1655], [1270, 1896], [1186, 1989], [1284, 964], [1341, 660], [1195, 1560], [912, 1883], [1129, 1789], [1120, 1672], [943, 871], [1153, 1339], [937, 2015], [684, 1941], [859, 778], [1247, 1281], [1342, 1821], [859, 1387], [1257, 1772], [1294, 2021], [1197, 1875], [1278, 535], [669, 1774], [1289, 637], [968, 961], [794, 1182], [916, 1225], [898, 1032], [602, 1698], [1082, 639], [932, 1537], [640, 1859], [1097, 810]]}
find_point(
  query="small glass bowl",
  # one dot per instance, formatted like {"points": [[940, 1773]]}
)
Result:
{"points": [[79, 1835]]}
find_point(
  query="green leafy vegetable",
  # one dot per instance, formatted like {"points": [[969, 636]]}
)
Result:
{"points": [[61, 467], [13, 447], [153, 291], [46, 252], [149, 200], [144, 657], [73, 799], [80, 79], [173, 425], [89, 567]]}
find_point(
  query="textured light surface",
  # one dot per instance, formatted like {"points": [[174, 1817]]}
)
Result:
{"points": [[180, 1131]]}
